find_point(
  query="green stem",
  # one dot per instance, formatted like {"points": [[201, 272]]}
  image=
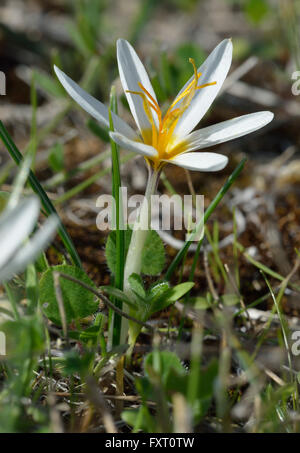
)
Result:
{"points": [[115, 319], [141, 228]]}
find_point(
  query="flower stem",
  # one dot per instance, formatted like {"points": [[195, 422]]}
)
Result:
{"points": [[140, 231]]}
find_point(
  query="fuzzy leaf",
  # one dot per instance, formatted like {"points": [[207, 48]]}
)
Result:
{"points": [[170, 296], [78, 301], [162, 363], [153, 254], [110, 248], [137, 286], [157, 290]]}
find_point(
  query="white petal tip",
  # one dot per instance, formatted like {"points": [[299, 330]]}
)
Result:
{"points": [[122, 45], [268, 116], [60, 74], [135, 146], [200, 161], [122, 41]]}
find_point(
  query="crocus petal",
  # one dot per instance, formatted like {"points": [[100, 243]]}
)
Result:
{"points": [[200, 161], [132, 72], [227, 130], [214, 69], [91, 105], [31, 250], [16, 225], [130, 145]]}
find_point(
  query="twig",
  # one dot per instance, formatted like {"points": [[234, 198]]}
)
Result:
{"points": [[190, 185], [182, 415], [106, 300], [96, 398], [208, 277], [60, 302]]}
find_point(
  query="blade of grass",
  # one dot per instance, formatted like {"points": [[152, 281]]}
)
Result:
{"points": [[207, 214], [38, 189], [116, 319]]}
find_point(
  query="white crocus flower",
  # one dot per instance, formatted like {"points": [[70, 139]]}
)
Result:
{"points": [[168, 138], [16, 225]]}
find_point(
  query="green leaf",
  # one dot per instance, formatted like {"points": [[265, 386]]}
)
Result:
{"points": [[110, 248], [118, 294], [88, 336], [256, 10], [157, 290], [140, 419], [78, 301], [202, 403], [162, 364], [74, 362], [137, 285], [56, 157], [170, 296], [130, 416], [153, 254], [26, 339]]}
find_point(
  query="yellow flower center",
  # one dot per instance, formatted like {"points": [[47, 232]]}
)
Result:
{"points": [[163, 139]]}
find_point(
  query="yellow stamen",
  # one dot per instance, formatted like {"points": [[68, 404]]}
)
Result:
{"points": [[149, 96], [192, 61], [206, 85], [147, 107], [164, 139]]}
